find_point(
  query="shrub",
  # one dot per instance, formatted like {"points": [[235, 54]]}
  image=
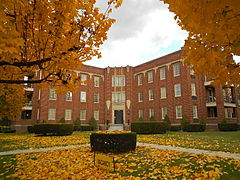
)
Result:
{"points": [[140, 119], [86, 128], [5, 122], [175, 128], [62, 120], [93, 123], [167, 121], [239, 127], [184, 122], [77, 125], [6, 129], [194, 128], [149, 127], [53, 129], [30, 129], [111, 142], [152, 118], [228, 126]]}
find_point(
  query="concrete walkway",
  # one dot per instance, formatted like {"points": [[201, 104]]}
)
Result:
{"points": [[194, 151]]}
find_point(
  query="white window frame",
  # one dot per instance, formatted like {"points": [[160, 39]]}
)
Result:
{"points": [[83, 96], [176, 69], [140, 97], [140, 79], [52, 114], [140, 113], [150, 76], [68, 114], [96, 115], [177, 90], [52, 94], [193, 89], [69, 96], [163, 92], [96, 95], [118, 97], [151, 112], [96, 81], [83, 79], [83, 114], [164, 112], [162, 73], [150, 95], [179, 112], [195, 112], [118, 81]]}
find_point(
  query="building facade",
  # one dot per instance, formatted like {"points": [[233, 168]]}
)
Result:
{"points": [[121, 95]]}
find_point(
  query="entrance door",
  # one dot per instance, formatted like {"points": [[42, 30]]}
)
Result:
{"points": [[118, 116]]}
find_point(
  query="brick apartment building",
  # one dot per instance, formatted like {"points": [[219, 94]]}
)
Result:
{"points": [[120, 95]]}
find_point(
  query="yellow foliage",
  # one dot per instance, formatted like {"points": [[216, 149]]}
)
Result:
{"points": [[214, 36]]}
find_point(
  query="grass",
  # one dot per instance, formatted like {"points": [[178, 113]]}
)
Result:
{"points": [[7, 166], [210, 140]]}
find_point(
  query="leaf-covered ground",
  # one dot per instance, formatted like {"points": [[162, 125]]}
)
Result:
{"points": [[144, 163], [212, 140], [30, 141]]}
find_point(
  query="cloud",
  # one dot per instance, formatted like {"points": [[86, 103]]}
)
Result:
{"points": [[144, 30]]}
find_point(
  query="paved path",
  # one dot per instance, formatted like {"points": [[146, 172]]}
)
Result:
{"points": [[194, 151]]}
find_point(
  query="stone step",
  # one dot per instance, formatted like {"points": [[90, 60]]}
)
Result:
{"points": [[116, 127]]}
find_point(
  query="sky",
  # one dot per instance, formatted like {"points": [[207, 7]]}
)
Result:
{"points": [[144, 30]]}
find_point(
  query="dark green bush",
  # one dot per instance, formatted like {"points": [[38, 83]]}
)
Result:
{"points": [[228, 127], [149, 127], [62, 120], [86, 128], [5, 122], [239, 127], [140, 119], [167, 121], [152, 118], [30, 129], [53, 129], [175, 128], [6, 129], [77, 125], [194, 128], [93, 123], [117, 143], [184, 121]]}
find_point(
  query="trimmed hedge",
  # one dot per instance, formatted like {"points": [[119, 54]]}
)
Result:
{"points": [[117, 143], [56, 129], [194, 128], [82, 128], [149, 127], [6, 129], [175, 128], [30, 129], [228, 127]]}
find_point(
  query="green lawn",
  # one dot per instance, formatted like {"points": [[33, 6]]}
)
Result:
{"points": [[211, 140]]}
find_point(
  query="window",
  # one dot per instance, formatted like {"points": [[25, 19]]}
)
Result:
{"points": [[83, 79], [96, 97], [83, 96], [162, 73], [164, 112], [68, 114], [177, 90], [179, 112], [151, 112], [118, 81], [51, 114], [193, 88], [82, 114], [69, 96], [163, 93], [96, 81], [140, 79], [150, 76], [118, 97], [150, 93], [140, 97], [176, 70], [96, 114], [140, 113], [52, 94], [195, 114]]}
